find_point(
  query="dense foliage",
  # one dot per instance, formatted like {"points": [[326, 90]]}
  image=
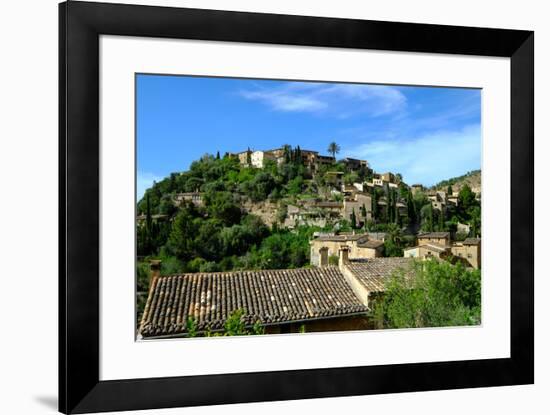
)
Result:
{"points": [[452, 181], [435, 294]]}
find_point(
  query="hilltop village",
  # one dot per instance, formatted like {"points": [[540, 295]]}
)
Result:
{"points": [[294, 239]]}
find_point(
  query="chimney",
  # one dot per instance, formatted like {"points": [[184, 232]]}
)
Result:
{"points": [[343, 255], [155, 269], [323, 255]]}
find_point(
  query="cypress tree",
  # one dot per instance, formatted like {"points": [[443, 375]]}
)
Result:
{"points": [[148, 224], [353, 219]]}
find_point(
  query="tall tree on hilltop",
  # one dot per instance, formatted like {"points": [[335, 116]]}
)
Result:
{"points": [[298, 156], [287, 152], [333, 149]]}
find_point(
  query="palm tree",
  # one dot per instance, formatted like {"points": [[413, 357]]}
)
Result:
{"points": [[333, 149], [393, 233]]}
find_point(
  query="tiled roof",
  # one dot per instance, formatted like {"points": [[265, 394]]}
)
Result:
{"points": [[341, 238], [373, 273], [436, 247], [472, 241], [435, 235], [373, 244], [267, 296]]}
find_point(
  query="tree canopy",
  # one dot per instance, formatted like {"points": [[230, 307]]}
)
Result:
{"points": [[435, 294]]}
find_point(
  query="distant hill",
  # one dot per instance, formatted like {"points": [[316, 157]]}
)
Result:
{"points": [[472, 179]]}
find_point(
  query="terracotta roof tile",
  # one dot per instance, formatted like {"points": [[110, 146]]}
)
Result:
{"points": [[268, 296], [373, 273], [435, 235]]}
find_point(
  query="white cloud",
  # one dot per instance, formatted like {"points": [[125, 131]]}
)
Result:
{"points": [[427, 159], [144, 181], [340, 100]]}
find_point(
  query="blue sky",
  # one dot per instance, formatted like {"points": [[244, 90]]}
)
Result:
{"points": [[426, 134]]}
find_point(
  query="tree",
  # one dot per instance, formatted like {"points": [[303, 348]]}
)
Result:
{"points": [[475, 221], [181, 239], [333, 149], [449, 190], [223, 206], [218, 155], [353, 219], [427, 215], [411, 208], [148, 224], [466, 198], [287, 153], [441, 220], [375, 209], [430, 294]]}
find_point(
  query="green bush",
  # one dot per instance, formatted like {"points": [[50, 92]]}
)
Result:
{"points": [[434, 294]]}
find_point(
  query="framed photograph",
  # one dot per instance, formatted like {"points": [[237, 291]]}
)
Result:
{"points": [[259, 207]]}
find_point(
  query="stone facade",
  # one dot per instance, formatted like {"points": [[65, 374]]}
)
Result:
{"points": [[360, 247]]}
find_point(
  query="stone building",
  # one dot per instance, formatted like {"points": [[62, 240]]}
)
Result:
{"points": [[438, 245], [388, 177], [439, 200], [469, 250], [360, 247], [440, 238], [193, 197], [355, 164], [427, 251], [310, 159], [326, 298], [361, 204]]}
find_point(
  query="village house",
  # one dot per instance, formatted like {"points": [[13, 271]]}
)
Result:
{"points": [[377, 181], [388, 177], [321, 160], [360, 245], [361, 187], [440, 238], [193, 197], [438, 245], [334, 178], [469, 250], [326, 298], [310, 159], [438, 200], [453, 200], [355, 164], [429, 250], [361, 205]]}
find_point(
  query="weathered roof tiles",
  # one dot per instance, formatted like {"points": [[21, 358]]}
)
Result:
{"points": [[267, 296], [373, 273]]}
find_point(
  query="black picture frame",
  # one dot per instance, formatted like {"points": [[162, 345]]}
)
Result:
{"points": [[80, 25]]}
